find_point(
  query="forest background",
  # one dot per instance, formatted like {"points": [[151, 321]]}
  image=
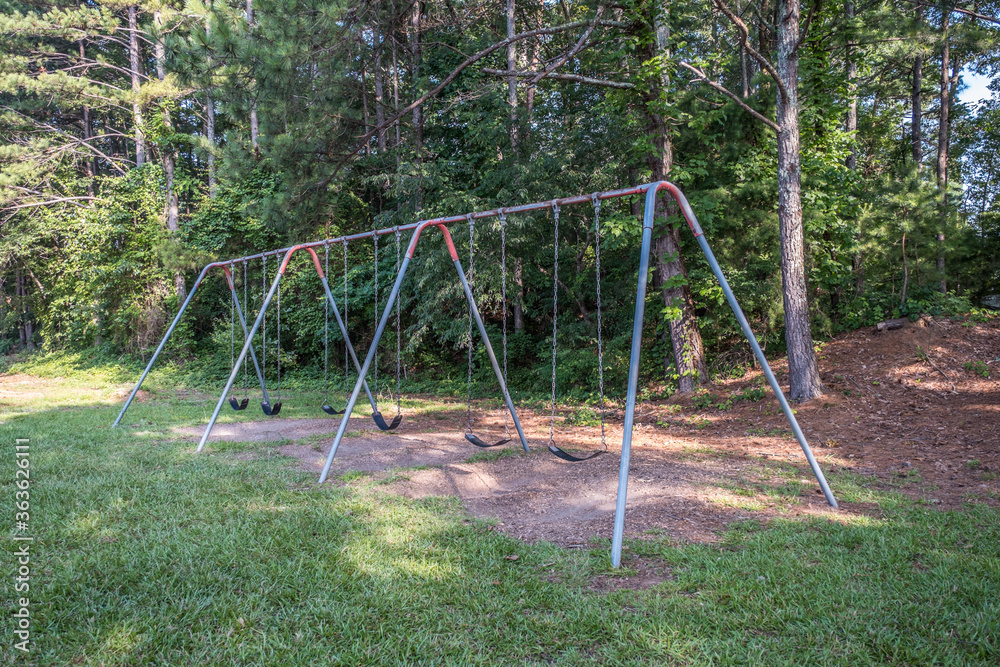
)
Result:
{"points": [[824, 146]]}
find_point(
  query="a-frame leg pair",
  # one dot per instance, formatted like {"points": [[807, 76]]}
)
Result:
{"points": [[253, 354], [376, 415], [247, 346], [369, 358]]}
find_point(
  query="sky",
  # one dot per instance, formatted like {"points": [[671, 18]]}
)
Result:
{"points": [[976, 90]]}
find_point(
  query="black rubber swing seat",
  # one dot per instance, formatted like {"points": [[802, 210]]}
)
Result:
{"points": [[480, 443], [330, 411], [270, 410], [239, 405], [565, 456], [381, 423]]}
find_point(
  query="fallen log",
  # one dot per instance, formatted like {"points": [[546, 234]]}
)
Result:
{"points": [[889, 325]]}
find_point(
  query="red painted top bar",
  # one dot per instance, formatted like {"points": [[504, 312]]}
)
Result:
{"points": [[441, 222]]}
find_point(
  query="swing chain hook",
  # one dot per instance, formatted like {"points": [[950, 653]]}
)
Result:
{"points": [[555, 316], [468, 403], [600, 339], [399, 334], [503, 305]]}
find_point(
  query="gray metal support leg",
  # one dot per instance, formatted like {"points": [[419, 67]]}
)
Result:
{"points": [[350, 347], [243, 353], [771, 380], [369, 358], [253, 355], [159, 348], [633, 377], [493, 358]]}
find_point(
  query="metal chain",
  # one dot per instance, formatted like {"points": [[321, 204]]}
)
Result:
{"points": [[555, 318], [347, 364], [232, 319], [468, 405], [399, 332], [326, 328], [246, 308], [600, 339], [375, 367], [503, 306], [263, 320], [278, 388]]}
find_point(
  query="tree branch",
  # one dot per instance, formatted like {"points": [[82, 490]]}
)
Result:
{"points": [[960, 10], [572, 52], [805, 24], [624, 85], [745, 42], [471, 60], [731, 95]]}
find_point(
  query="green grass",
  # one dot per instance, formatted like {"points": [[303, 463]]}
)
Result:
{"points": [[146, 553]]}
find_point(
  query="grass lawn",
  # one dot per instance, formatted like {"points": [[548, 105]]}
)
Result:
{"points": [[145, 553]]}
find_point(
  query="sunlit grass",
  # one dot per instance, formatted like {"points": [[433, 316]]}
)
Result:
{"points": [[146, 553]]}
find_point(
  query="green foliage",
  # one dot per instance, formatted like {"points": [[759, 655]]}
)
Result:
{"points": [[978, 367], [85, 260]]}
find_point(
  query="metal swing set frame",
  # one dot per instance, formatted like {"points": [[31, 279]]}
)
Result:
{"points": [[649, 191]]}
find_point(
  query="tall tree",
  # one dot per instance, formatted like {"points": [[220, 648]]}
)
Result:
{"points": [[136, 75], [168, 153], [942, 147], [670, 272], [803, 371]]}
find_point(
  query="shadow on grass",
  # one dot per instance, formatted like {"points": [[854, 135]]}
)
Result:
{"points": [[146, 553]]}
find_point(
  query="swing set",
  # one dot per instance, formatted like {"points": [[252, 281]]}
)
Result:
{"points": [[392, 306]]}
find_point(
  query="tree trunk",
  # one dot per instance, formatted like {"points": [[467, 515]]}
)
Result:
{"points": [[519, 289], [858, 260], [744, 74], [364, 106], [210, 135], [518, 305], [529, 102], [210, 125], [254, 124], [685, 338], [172, 209], [395, 96], [916, 106], [418, 115], [135, 72], [906, 274], [379, 90], [90, 164], [942, 151], [512, 80], [852, 91], [803, 372], [19, 294]]}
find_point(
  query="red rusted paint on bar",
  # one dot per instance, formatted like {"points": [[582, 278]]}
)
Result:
{"points": [[315, 258], [449, 242]]}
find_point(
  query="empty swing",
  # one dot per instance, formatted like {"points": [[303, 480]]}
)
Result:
{"points": [[469, 435], [376, 413], [265, 405], [233, 402], [555, 320]]}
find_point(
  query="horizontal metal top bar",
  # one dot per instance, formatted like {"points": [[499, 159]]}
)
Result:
{"points": [[523, 208]]}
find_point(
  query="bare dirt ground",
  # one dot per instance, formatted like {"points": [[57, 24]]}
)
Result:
{"points": [[901, 409]]}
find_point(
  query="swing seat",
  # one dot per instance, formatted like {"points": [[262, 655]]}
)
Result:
{"points": [[565, 456], [270, 410], [239, 405], [381, 423], [479, 443], [330, 411]]}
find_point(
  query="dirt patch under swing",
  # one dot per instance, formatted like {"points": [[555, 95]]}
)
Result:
{"points": [[911, 410]]}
